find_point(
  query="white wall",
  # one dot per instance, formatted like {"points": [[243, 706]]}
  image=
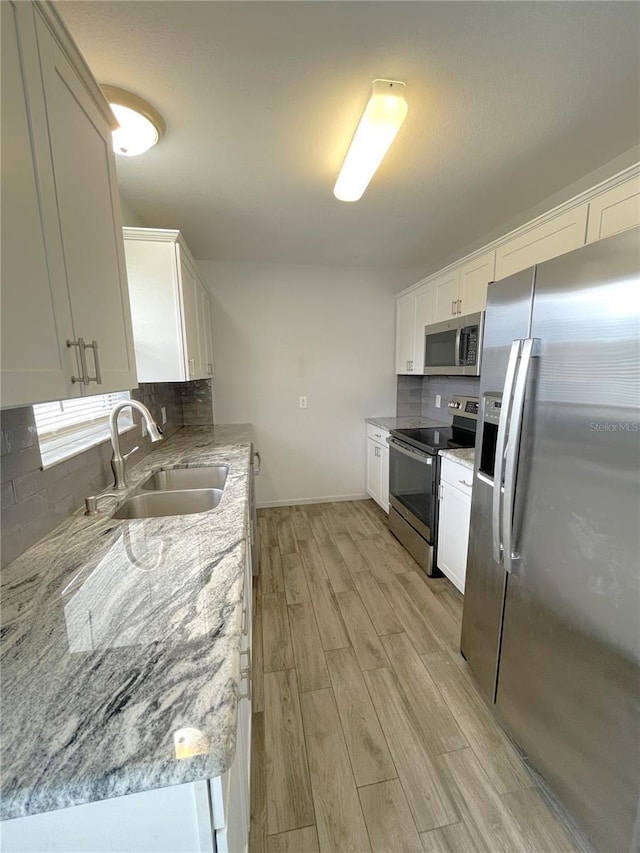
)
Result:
{"points": [[281, 331], [129, 216]]}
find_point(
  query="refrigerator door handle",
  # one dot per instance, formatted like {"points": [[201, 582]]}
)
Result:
{"points": [[530, 348], [507, 392]]}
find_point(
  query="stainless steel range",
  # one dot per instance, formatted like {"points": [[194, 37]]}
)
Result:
{"points": [[414, 476]]}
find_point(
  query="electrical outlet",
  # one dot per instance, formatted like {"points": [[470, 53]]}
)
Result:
{"points": [[302, 402], [143, 427], [163, 411], [438, 401]]}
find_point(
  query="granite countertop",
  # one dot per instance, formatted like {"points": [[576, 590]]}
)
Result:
{"points": [[464, 455], [404, 423], [120, 643]]}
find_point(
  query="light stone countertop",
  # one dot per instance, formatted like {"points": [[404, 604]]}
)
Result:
{"points": [[120, 643], [464, 455], [404, 423]]}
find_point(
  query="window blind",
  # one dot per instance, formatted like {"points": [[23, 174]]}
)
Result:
{"points": [[67, 427]]}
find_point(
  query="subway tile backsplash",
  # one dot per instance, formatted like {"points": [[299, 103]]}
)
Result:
{"points": [[416, 395], [34, 501]]}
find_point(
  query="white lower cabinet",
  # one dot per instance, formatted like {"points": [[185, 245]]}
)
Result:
{"points": [[378, 465], [453, 523]]}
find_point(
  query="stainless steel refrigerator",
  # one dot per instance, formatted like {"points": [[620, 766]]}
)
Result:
{"points": [[551, 624]]}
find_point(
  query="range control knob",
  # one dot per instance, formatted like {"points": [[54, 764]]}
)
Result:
{"points": [[454, 404]]}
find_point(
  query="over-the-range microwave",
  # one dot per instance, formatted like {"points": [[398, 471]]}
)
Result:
{"points": [[454, 348]]}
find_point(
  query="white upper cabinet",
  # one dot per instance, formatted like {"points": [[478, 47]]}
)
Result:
{"points": [[463, 289], [169, 307], [446, 292], [414, 311], [204, 330], [63, 275], [615, 210], [554, 237], [405, 333], [475, 276]]}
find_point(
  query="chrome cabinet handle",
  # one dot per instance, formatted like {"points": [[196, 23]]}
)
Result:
{"points": [[459, 306], [210, 368], [507, 391], [464, 483], [83, 361], [256, 471], [529, 349], [96, 361], [453, 307], [192, 366], [82, 351], [244, 622]]}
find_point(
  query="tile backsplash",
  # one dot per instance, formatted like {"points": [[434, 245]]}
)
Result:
{"points": [[35, 501], [416, 395]]}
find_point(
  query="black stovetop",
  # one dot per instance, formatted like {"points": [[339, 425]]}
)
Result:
{"points": [[432, 439]]}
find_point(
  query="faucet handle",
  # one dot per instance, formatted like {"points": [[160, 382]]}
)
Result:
{"points": [[133, 450], [91, 503]]}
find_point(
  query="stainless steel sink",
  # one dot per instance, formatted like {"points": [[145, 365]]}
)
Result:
{"points": [[159, 503], [177, 479]]}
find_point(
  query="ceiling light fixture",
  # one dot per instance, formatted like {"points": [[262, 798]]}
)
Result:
{"points": [[141, 126], [378, 126]]}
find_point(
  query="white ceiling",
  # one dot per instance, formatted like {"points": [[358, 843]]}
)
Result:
{"points": [[508, 102]]}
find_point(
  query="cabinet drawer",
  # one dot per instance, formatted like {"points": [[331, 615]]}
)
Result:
{"points": [[377, 434], [457, 475]]}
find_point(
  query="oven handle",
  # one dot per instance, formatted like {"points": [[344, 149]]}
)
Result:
{"points": [[418, 455]]}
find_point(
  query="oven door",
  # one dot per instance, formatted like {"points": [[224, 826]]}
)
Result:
{"points": [[412, 476]]}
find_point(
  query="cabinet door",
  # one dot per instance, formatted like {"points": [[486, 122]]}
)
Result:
{"points": [[154, 290], [475, 276], [36, 319], [423, 313], [373, 470], [384, 478], [615, 210], [89, 214], [204, 331], [189, 292], [405, 331], [445, 295], [554, 237], [453, 534]]}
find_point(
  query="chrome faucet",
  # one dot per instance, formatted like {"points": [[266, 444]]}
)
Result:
{"points": [[117, 460]]}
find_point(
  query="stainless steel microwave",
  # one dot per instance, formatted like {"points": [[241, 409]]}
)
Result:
{"points": [[454, 348]]}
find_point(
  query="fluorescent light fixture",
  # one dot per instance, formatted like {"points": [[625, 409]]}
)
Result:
{"points": [[378, 126], [141, 126]]}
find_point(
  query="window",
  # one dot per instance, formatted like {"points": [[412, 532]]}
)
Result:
{"points": [[68, 427]]}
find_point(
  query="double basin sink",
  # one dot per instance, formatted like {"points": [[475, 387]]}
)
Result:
{"points": [[176, 491]]}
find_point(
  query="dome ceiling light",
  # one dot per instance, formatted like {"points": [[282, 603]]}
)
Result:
{"points": [[141, 126], [378, 126]]}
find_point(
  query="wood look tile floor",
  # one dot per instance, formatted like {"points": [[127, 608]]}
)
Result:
{"points": [[369, 733]]}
